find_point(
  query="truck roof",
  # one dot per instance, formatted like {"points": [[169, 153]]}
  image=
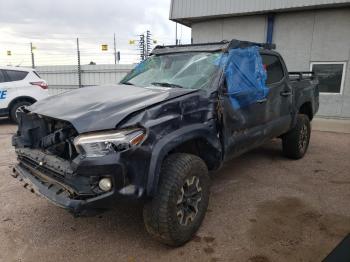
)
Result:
{"points": [[210, 47]]}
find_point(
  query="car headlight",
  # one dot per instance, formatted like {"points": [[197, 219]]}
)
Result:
{"points": [[101, 143]]}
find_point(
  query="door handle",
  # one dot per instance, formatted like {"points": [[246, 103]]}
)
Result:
{"points": [[260, 101], [286, 93]]}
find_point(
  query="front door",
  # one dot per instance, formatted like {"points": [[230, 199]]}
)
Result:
{"points": [[243, 128]]}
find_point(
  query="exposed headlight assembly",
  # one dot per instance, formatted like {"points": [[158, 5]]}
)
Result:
{"points": [[101, 143]]}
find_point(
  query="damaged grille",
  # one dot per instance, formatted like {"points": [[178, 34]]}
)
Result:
{"points": [[45, 149], [27, 162], [50, 135], [54, 167]]}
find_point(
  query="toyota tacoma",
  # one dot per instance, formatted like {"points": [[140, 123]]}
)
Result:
{"points": [[156, 135]]}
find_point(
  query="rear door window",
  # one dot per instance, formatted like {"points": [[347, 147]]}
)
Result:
{"points": [[2, 77], [15, 75], [274, 68]]}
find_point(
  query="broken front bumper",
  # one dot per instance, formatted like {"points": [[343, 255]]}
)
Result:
{"points": [[58, 195], [75, 189]]}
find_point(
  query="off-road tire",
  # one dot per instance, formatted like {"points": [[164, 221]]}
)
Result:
{"points": [[296, 142], [15, 107], [160, 214]]}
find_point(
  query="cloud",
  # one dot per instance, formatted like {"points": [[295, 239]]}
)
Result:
{"points": [[53, 26]]}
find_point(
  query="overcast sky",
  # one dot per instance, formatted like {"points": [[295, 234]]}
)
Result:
{"points": [[53, 26]]}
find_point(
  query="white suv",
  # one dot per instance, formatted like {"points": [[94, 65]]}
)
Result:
{"points": [[19, 87]]}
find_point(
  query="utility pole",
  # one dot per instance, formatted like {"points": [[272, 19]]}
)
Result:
{"points": [[115, 51], [118, 57], [176, 42], [79, 69], [142, 47], [145, 45], [148, 43], [32, 54]]}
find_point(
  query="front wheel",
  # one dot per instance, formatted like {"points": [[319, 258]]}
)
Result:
{"points": [[17, 108], [296, 142], [179, 207]]}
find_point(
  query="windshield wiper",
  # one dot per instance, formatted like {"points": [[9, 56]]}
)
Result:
{"points": [[128, 83], [165, 84]]}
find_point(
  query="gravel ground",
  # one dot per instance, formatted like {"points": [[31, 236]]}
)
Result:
{"points": [[263, 207]]}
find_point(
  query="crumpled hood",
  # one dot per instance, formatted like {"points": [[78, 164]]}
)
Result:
{"points": [[103, 107]]}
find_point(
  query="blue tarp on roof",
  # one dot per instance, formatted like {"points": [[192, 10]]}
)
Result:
{"points": [[245, 76]]}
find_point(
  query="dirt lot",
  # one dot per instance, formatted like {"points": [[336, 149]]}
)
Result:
{"points": [[263, 207]]}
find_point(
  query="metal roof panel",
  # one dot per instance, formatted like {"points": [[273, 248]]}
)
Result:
{"points": [[186, 10]]}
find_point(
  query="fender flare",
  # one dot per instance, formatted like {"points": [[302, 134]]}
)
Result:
{"points": [[171, 141], [301, 101]]}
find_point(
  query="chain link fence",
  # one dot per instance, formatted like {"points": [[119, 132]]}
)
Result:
{"points": [[75, 63], [65, 78]]}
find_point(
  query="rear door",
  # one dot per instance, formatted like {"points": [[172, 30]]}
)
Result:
{"points": [[22, 81], [16, 78], [279, 103]]}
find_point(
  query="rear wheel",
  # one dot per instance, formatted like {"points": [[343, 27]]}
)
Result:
{"points": [[17, 108], [178, 209], [296, 142]]}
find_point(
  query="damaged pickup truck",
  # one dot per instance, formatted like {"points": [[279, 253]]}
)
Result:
{"points": [[155, 136]]}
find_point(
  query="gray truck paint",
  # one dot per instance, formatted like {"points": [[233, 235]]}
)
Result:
{"points": [[175, 119]]}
